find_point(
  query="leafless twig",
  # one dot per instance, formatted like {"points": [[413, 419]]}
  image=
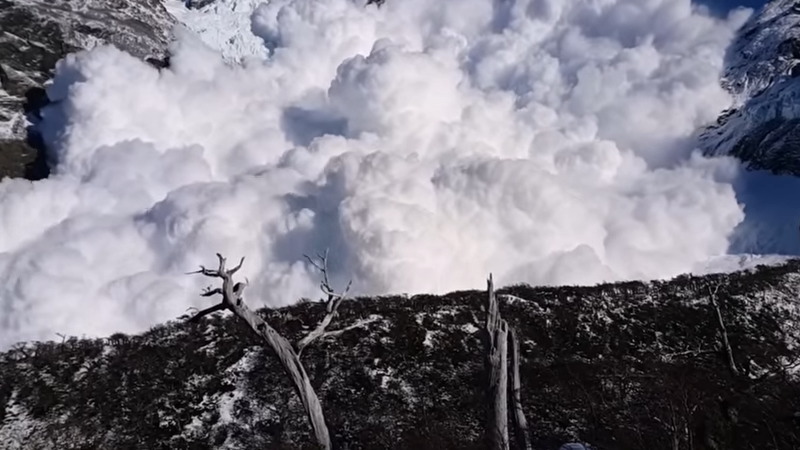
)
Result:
{"points": [[331, 303]]}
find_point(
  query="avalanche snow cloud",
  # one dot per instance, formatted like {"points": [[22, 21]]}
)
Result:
{"points": [[425, 144]]}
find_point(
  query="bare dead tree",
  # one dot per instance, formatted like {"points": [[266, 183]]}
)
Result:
{"points": [[521, 436], [496, 360], [712, 298], [289, 357], [497, 368]]}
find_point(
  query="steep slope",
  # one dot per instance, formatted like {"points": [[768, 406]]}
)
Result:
{"points": [[623, 366], [223, 25], [763, 126], [35, 34]]}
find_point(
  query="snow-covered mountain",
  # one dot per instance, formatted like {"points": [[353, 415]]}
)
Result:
{"points": [[223, 25], [35, 34], [623, 366], [482, 121], [762, 128]]}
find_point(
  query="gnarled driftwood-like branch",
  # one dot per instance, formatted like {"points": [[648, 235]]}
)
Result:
{"points": [[521, 436], [496, 335], [331, 304], [232, 300]]}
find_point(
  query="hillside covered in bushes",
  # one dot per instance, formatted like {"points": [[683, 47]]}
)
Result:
{"points": [[618, 366]]}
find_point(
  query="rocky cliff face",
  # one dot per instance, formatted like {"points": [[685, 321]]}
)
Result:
{"points": [[622, 366], [35, 34], [763, 126]]}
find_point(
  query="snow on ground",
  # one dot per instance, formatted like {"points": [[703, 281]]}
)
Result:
{"points": [[17, 427], [223, 25], [732, 263]]}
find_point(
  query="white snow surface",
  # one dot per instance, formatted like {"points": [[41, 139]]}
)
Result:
{"points": [[732, 263], [425, 144], [223, 25]]}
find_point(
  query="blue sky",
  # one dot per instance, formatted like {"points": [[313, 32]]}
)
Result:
{"points": [[724, 6]]}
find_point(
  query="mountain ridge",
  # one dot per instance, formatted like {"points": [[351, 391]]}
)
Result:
{"points": [[762, 127]]}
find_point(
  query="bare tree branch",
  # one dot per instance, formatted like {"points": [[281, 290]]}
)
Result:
{"points": [[325, 285], [235, 269], [520, 423], [670, 356], [331, 304], [208, 292], [20, 347], [712, 297], [207, 311], [317, 333], [339, 332], [219, 272]]}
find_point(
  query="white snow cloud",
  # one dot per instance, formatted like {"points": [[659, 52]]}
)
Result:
{"points": [[424, 143]]}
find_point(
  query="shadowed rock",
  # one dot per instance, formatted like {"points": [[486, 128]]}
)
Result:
{"points": [[35, 34], [762, 66]]}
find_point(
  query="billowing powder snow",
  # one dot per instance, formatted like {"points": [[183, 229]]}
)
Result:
{"points": [[425, 144]]}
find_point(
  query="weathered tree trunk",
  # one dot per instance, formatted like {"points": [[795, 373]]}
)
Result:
{"points": [[521, 436], [290, 360], [723, 331], [497, 368], [293, 367]]}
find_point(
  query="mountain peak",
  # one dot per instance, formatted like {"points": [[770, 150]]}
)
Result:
{"points": [[762, 128], [766, 49]]}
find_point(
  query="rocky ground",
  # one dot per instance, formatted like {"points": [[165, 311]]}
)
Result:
{"points": [[620, 366]]}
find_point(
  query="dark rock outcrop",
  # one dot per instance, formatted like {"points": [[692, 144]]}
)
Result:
{"points": [[762, 67], [623, 366], [198, 4], [35, 34]]}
